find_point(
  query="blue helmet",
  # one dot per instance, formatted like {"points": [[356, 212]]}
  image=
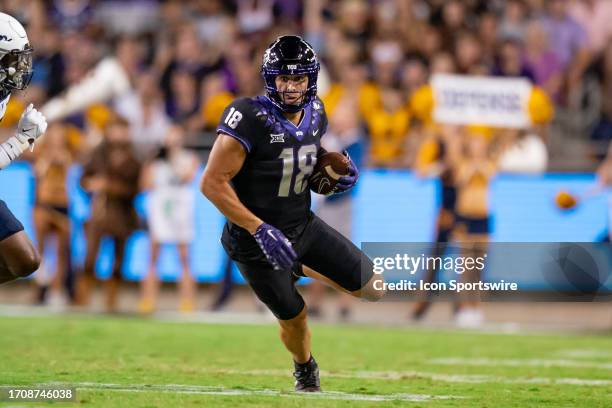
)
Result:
{"points": [[290, 55]]}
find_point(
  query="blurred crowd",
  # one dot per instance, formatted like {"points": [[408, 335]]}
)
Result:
{"points": [[141, 72], [158, 63]]}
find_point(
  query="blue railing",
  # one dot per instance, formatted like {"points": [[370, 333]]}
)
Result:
{"points": [[388, 206]]}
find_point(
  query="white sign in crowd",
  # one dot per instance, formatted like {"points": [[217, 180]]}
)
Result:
{"points": [[484, 100]]}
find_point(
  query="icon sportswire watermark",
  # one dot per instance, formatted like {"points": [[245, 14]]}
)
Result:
{"points": [[490, 271]]}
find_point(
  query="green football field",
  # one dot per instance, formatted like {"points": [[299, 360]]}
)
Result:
{"points": [[130, 362]]}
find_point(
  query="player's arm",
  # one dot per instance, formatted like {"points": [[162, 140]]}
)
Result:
{"points": [[225, 161], [227, 157], [32, 125]]}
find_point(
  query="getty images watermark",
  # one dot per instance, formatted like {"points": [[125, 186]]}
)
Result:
{"points": [[458, 265], [566, 271]]}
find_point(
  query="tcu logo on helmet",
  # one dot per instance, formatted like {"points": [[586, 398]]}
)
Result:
{"points": [[5, 38], [269, 57]]}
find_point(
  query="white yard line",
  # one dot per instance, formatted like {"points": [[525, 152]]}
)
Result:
{"points": [[585, 354], [407, 375], [382, 375], [223, 391], [527, 362], [479, 379]]}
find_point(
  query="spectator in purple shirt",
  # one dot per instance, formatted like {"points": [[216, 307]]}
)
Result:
{"points": [[546, 67], [568, 40]]}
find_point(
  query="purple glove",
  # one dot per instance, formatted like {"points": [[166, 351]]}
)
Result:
{"points": [[347, 182], [275, 246]]}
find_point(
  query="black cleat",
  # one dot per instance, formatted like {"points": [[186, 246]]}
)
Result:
{"points": [[307, 376]]}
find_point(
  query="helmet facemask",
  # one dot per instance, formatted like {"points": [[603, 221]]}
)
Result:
{"points": [[290, 55], [16, 69], [277, 96]]}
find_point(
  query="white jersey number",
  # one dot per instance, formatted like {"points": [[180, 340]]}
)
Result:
{"points": [[232, 118], [304, 161]]}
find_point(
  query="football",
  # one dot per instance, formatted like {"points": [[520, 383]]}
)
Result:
{"points": [[329, 168]]}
